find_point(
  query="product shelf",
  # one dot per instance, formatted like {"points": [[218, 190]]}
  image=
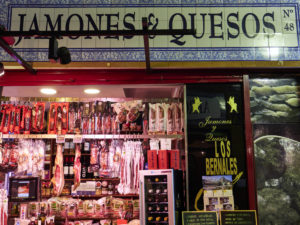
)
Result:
{"points": [[101, 196], [91, 136], [95, 179], [90, 218]]}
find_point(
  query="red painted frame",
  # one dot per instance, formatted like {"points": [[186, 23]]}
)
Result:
{"points": [[47, 77], [249, 146]]}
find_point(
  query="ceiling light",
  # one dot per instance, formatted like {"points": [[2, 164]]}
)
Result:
{"points": [[2, 72], [91, 91], [48, 91]]}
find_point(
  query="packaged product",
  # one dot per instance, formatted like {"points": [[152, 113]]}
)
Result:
{"points": [[17, 126], [87, 222], [13, 158], [128, 206], [12, 119], [78, 122], [2, 116], [118, 208], [98, 209], [40, 113], [85, 125], [160, 118], [54, 207], [72, 118], [105, 222], [27, 120], [33, 209], [64, 116], [170, 119], [89, 207], [7, 117], [178, 118], [80, 208], [152, 118], [72, 209], [104, 153], [136, 208], [6, 154], [63, 209], [94, 154], [33, 118], [52, 119]]}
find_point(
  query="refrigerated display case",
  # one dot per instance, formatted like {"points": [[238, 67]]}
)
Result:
{"points": [[161, 197]]}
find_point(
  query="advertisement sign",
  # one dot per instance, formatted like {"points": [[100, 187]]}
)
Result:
{"points": [[216, 140]]}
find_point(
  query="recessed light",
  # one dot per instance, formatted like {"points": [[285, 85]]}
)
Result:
{"points": [[91, 91], [48, 91]]}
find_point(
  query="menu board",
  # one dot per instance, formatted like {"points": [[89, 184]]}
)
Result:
{"points": [[199, 218], [216, 139], [238, 217]]}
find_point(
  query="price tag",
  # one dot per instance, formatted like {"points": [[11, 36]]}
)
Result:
{"points": [[77, 139], [60, 139]]}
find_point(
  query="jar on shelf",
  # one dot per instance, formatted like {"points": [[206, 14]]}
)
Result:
{"points": [[98, 188]]}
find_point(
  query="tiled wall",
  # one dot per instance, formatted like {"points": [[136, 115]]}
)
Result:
{"points": [[236, 30]]}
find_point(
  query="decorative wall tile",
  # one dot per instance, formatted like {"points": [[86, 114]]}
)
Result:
{"points": [[277, 37]]}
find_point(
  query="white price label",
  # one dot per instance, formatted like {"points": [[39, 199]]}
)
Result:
{"points": [[77, 139], [60, 139]]}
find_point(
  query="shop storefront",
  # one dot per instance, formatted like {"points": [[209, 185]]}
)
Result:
{"points": [[189, 114]]}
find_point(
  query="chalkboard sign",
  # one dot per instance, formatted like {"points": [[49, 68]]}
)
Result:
{"points": [[199, 218], [238, 217]]}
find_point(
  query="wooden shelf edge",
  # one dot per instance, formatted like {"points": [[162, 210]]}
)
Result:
{"points": [[92, 136]]}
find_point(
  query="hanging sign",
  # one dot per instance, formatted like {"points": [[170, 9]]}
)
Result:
{"points": [[238, 217], [199, 218]]}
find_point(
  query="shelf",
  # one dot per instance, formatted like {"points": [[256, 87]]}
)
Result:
{"points": [[91, 218], [82, 154], [94, 196], [95, 179], [101, 196], [157, 212], [157, 202], [90, 136], [163, 182]]}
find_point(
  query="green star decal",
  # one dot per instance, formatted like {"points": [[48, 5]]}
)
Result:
{"points": [[232, 104], [196, 105]]}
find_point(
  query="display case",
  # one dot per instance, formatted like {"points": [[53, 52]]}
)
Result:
{"points": [[161, 200]]}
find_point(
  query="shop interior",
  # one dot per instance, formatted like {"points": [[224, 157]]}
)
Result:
{"points": [[75, 156]]}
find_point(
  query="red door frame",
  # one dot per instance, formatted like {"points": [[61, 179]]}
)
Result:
{"points": [[49, 77]]}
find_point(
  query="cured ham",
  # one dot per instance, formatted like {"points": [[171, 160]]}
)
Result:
{"points": [[58, 180], [77, 167]]}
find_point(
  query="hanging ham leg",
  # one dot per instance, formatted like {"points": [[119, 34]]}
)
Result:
{"points": [[58, 177], [77, 167]]}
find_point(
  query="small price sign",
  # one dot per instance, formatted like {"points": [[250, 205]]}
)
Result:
{"points": [[60, 139], [77, 139]]}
